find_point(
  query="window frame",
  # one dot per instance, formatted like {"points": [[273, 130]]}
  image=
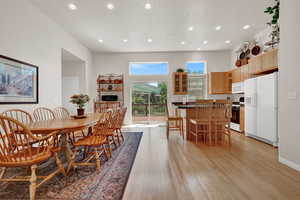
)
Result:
{"points": [[197, 61], [147, 75]]}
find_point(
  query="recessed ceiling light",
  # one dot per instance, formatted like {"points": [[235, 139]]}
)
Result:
{"points": [[218, 28], [100, 40], [125, 40], [72, 6], [191, 28], [110, 6], [246, 27], [205, 42], [149, 40], [148, 6], [183, 43], [198, 49], [227, 41]]}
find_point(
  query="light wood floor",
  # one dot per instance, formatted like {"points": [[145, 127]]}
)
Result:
{"points": [[176, 169]]}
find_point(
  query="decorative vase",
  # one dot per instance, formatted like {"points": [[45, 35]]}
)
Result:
{"points": [[80, 111]]}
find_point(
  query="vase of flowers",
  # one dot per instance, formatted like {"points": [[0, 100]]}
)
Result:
{"points": [[80, 100]]}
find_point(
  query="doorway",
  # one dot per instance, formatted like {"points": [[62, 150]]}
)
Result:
{"points": [[149, 101], [73, 78]]}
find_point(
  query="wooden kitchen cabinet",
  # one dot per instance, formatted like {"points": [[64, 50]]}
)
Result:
{"points": [[270, 60], [219, 83], [236, 75], [180, 83], [255, 65], [242, 119], [245, 72]]}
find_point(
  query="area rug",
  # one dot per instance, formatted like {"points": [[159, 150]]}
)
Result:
{"points": [[84, 183]]}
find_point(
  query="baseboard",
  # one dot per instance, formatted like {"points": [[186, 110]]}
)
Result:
{"points": [[289, 163]]}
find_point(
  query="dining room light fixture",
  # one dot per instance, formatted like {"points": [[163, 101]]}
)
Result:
{"points": [[183, 43], [100, 41], [110, 6], [148, 6], [246, 27], [227, 41], [125, 40], [191, 28], [205, 42], [149, 40], [72, 6], [218, 28]]}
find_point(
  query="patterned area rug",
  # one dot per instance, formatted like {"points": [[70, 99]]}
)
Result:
{"points": [[84, 183]]}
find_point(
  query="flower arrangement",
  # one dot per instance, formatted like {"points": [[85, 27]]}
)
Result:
{"points": [[80, 100]]}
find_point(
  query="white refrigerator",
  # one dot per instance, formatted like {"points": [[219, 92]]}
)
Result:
{"points": [[261, 108]]}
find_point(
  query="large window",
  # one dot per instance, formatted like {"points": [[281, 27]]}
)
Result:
{"points": [[197, 87], [196, 67], [148, 68]]}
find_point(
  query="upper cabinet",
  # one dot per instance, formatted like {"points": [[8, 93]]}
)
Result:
{"points": [[219, 83], [180, 83], [236, 75]]}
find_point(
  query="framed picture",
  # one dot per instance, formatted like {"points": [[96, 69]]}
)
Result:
{"points": [[18, 82]]}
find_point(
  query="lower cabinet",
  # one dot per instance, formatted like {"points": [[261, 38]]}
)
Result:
{"points": [[242, 119]]}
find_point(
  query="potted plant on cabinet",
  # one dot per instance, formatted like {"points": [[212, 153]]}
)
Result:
{"points": [[80, 100]]}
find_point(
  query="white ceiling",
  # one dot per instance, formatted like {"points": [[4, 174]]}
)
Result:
{"points": [[166, 23]]}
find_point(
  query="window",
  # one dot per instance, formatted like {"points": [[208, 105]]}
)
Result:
{"points": [[148, 68], [196, 67], [197, 79]]}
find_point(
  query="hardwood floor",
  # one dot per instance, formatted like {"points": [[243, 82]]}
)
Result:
{"points": [[176, 169]]}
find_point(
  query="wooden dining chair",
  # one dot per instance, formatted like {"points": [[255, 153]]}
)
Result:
{"points": [[97, 145], [61, 113], [174, 122], [221, 122], [200, 124], [26, 150], [18, 114], [122, 113], [41, 114]]}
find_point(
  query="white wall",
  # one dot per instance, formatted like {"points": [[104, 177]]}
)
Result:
{"points": [[27, 34], [289, 109], [119, 63]]}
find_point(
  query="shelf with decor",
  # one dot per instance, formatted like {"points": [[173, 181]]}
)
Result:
{"points": [[110, 89]]}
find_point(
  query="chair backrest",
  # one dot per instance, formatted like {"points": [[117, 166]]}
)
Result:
{"points": [[104, 123], [204, 111], [18, 114], [61, 113], [122, 113], [15, 143], [219, 112], [42, 113], [169, 110], [103, 106]]}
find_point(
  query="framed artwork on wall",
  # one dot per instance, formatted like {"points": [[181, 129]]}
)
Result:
{"points": [[18, 82]]}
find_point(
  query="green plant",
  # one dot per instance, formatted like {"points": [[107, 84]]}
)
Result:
{"points": [[180, 70], [274, 12], [80, 100]]}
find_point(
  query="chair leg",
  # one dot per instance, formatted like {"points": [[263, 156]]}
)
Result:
{"points": [[71, 162], [32, 187], [60, 165], [2, 172], [168, 131], [97, 157], [121, 133]]}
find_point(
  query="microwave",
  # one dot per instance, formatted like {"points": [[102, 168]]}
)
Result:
{"points": [[238, 88], [109, 97]]}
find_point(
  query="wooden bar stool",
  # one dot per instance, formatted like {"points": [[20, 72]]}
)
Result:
{"points": [[174, 123]]}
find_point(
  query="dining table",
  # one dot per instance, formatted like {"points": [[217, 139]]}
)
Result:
{"points": [[64, 127]]}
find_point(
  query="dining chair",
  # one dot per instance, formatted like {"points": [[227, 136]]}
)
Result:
{"points": [[97, 142], [61, 113], [221, 121], [200, 124], [174, 122], [41, 114], [26, 150], [122, 113], [18, 114]]}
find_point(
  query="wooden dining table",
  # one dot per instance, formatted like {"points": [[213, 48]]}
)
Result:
{"points": [[65, 126]]}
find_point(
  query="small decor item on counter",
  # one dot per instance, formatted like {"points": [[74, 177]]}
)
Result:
{"points": [[180, 70], [110, 87], [275, 34], [80, 100]]}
